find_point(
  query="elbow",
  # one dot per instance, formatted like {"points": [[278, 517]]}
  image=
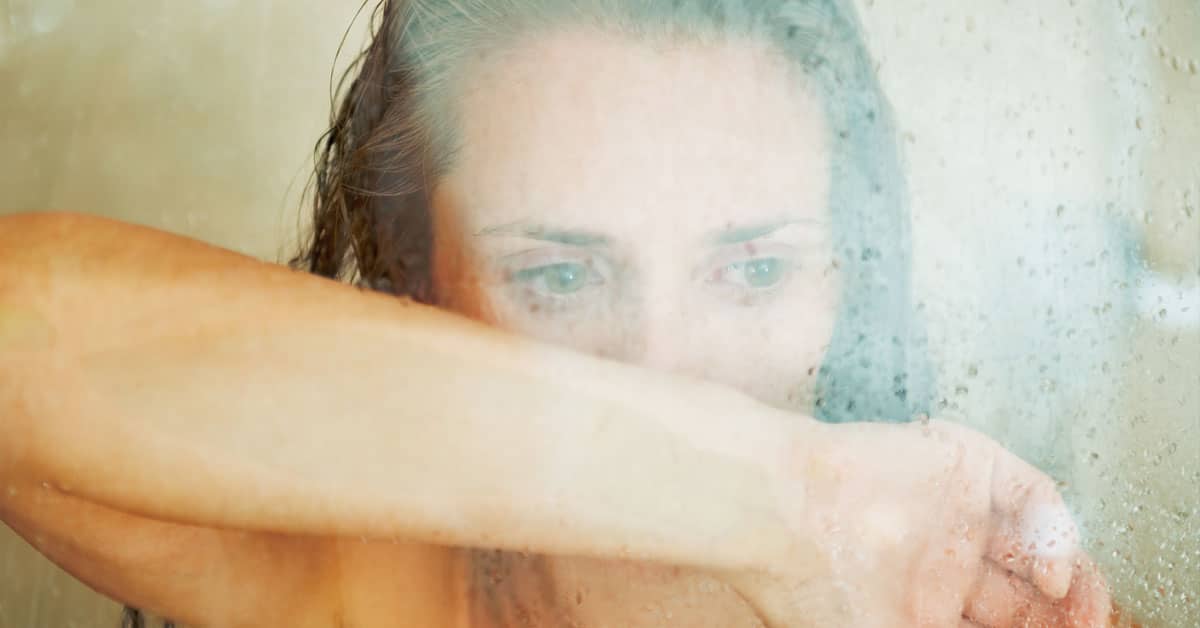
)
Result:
{"points": [[36, 247], [25, 241], [39, 221], [33, 247], [27, 232], [27, 331], [25, 238]]}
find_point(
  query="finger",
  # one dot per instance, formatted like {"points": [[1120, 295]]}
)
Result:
{"points": [[951, 558], [1088, 604], [1038, 537], [1002, 599], [1030, 546], [942, 582]]}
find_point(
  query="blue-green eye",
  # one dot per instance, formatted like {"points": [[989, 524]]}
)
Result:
{"points": [[756, 274], [762, 273], [560, 278]]}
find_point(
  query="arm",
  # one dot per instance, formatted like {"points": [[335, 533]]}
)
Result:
{"points": [[195, 575], [265, 399]]}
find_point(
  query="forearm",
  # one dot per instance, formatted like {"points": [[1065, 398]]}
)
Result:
{"points": [[175, 380]]}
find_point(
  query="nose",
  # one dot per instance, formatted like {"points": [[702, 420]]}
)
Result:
{"points": [[660, 335]]}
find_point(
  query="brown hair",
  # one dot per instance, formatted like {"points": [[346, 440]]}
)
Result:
{"points": [[369, 187]]}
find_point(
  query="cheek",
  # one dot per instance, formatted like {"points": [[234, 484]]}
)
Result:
{"points": [[773, 353], [597, 330], [799, 352]]}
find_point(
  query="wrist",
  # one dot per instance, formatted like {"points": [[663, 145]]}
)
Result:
{"points": [[792, 467], [781, 536]]}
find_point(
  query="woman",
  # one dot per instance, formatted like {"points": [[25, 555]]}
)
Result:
{"points": [[706, 191]]}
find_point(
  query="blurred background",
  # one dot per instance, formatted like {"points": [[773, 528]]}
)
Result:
{"points": [[1056, 193]]}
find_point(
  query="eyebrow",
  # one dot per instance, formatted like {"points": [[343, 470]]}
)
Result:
{"points": [[569, 237], [731, 234], [736, 234]]}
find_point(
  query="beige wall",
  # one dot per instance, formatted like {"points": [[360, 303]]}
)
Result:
{"points": [[1152, 482], [1032, 131], [196, 117], [1172, 126]]}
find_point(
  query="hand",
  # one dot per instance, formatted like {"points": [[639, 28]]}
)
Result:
{"points": [[924, 524]]}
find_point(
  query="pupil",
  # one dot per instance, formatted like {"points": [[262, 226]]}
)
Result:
{"points": [[762, 272], [564, 277]]}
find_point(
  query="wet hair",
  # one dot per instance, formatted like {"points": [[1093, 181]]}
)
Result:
{"points": [[134, 618]]}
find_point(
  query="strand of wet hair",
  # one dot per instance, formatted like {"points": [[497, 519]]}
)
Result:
{"points": [[133, 618]]}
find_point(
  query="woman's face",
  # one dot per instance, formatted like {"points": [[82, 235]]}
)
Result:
{"points": [[661, 205]]}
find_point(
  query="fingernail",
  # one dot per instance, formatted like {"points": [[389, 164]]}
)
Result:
{"points": [[1051, 577]]}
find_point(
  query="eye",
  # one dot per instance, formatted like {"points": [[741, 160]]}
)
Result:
{"points": [[761, 273], [551, 280], [562, 278]]}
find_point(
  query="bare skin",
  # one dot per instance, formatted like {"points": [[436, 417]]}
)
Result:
{"points": [[311, 454], [201, 482]]}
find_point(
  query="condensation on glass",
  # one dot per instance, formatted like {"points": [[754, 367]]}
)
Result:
{"points": [[1051, 153]]}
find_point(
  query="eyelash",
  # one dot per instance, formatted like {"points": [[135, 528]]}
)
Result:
{"points": [[526, 274], [741, 256], [742, 292], [529, 279]]}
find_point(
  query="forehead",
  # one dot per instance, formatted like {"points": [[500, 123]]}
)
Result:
{"points": [[606, 133]]}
